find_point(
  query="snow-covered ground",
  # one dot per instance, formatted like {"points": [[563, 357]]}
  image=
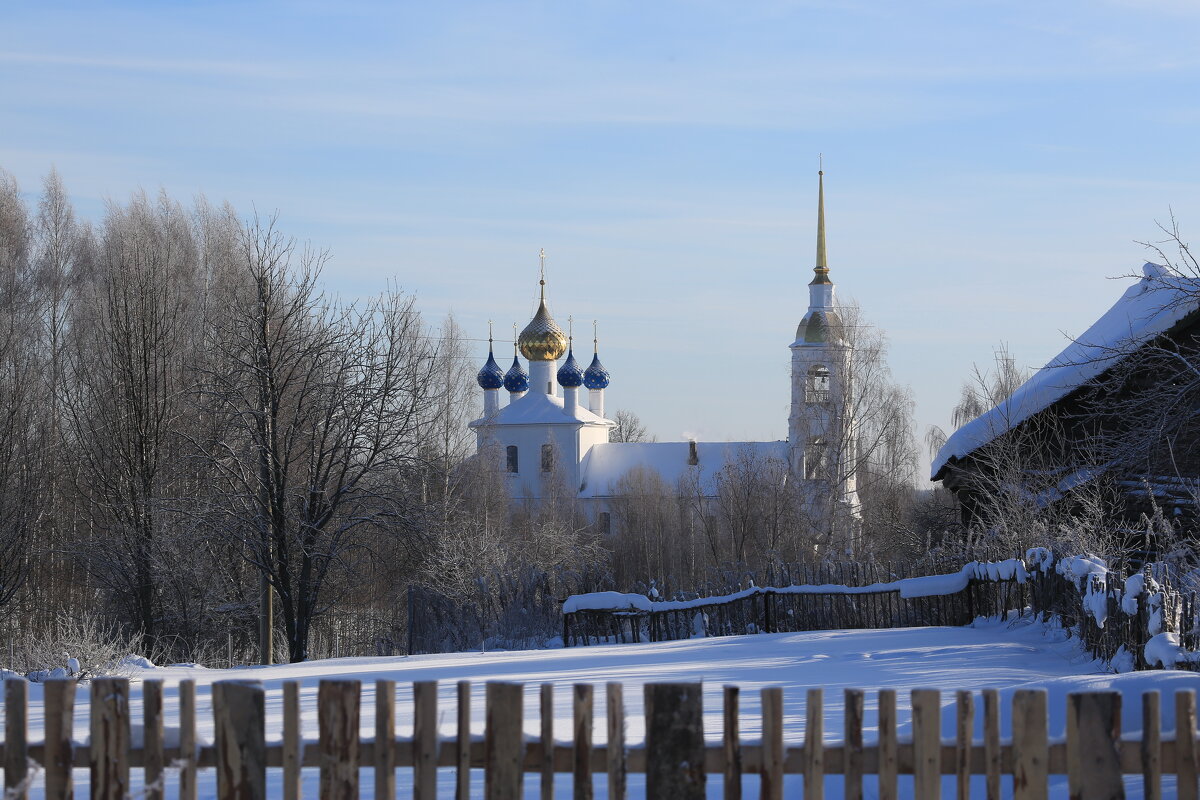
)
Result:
{"points": [[990, 654]]}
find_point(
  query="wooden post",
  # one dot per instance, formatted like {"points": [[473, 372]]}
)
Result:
{"points": [[814, 745], [547, 714], [152, 739], [1152, 745], [674, 741], [292, 756], [239, 722], [617, 766], [1093, 746], [927, 743], [888, 757], [1030, 745], [1185, 745], [109, 757], [60, 727], [16, 745], [502, 747], [385, 740], [991, 742], [581, 753], [965, 734], [852, 751], [425, 740], [733, 746], [771, 783], [187, 740], [462, 758], [337, 719]]}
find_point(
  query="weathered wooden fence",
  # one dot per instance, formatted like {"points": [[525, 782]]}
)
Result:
{"points": [[1098, 607], [770, 610], [675, 757]]}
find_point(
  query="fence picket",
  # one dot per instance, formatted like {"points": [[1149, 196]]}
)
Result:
{"points": [[581, 753], [852, 750], [16, 745], [1093, 742], [771, 772], [152, 739], [1030, 745], [239, 722], [292, 756], [888, 759], [814, 745], [425, 740], [674, 741], [731, 746], [385, 740], [58, 755], [547, 713], [1185, 745], [1151, 749], [188, 752], [462, 754], [337, 718], [109, 751], [927, 743], [991, 742], [615, 705], [964, 738], [503, 776]]}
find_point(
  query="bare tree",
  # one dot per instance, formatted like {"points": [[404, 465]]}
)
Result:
{"points": [[629, 428], [323, 409], [131, 341]]}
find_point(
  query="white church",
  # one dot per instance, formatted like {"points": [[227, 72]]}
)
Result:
{"points": [[548, 428]]}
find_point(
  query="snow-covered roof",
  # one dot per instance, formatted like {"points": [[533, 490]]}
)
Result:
{"points": [[605, 464], [539, 408], [1150, 307]]}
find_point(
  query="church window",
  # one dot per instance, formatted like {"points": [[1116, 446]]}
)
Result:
{"points": [[512, 457], [604, 522], [817, 384], [547, 457], [816, 455]]}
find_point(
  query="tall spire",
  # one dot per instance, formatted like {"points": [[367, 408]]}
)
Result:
{"points": [[822, 266], [542, 273]]}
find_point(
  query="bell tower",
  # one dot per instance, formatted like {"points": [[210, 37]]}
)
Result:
{"points": [[821, 436]]}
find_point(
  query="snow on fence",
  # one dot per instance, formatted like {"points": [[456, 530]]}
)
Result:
{"points": [[1133, 622], [978, 589], [675, 757]]}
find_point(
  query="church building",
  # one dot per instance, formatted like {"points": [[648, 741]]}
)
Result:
{"points": [[548, 434]]}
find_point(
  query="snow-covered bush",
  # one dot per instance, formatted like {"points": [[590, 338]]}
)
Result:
{"points": [[81, 647]]}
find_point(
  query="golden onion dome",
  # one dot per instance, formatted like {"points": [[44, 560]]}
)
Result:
{"points": [[542, 339]]}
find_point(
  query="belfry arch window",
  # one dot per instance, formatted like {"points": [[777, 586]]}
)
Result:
{"points": [[511, 455], [816, 457], [817, 384]]}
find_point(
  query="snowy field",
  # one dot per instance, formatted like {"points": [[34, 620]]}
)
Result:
{"points": [[1007, 656]]}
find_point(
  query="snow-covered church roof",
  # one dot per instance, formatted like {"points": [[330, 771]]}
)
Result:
{"points": [[605, 464], [539, 408], [1150, 307]]}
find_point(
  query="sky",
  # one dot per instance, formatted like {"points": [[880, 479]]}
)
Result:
{"points": [[991, 167]]}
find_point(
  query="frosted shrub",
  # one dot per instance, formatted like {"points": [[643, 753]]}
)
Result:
{"points": [[82, 647]]}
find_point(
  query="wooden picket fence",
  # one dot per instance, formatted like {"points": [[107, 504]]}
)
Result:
{"points": [[675, 758]]}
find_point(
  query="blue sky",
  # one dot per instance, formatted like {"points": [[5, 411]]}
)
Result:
{"points": [[990, 165]]}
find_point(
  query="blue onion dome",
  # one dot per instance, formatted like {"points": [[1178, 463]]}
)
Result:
{"points": [[596, 376], [570, 374], [516, 379], [491, 376]]}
